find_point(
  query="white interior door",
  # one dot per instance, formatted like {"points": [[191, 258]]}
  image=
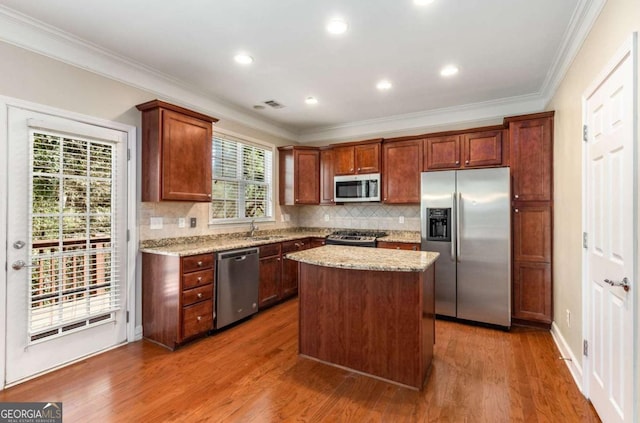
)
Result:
{"points": [[611, 224], [66, 236]]}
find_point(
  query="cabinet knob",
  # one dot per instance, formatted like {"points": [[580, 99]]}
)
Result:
{"points": [[200, 264], [517, 211], [466, 162], [351, 170], [297, 200], [359, 169], [278, 258], [415, 248], [199, 318], [516, 196], [208, 195], [457, 162], [199, 295], [199, 278], [397, 248]]}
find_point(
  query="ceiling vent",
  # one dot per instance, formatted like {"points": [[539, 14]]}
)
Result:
{"points": [[274, 104]]}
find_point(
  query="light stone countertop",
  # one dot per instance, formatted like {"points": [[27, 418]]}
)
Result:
{"points": [[402, 236], [361, 258]]}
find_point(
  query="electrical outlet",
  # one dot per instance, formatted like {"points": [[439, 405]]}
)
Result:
{"points": [[155, 223], [401, 219], [326, 217], [568, 318], [287, 217], [193, 222], [182, 222]]}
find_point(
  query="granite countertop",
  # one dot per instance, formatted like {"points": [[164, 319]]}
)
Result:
{"points": [[361, 258], [212, 244], [187, 246]]}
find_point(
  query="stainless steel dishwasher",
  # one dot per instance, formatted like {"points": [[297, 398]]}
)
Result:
{"points": [[237, 285]]}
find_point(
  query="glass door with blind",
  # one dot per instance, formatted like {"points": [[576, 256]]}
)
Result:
{"points": [[66, 242]]}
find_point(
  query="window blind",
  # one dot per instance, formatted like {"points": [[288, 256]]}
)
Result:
{"points": [[242, 180]]}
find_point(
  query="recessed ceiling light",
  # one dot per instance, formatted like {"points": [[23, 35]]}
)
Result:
{"points": [[449, 70], [311, 100], [383, 85], [422, 2], [243, 59], [337, 26]]}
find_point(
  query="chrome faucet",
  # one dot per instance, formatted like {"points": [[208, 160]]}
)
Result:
{"points": [[253, 228]]}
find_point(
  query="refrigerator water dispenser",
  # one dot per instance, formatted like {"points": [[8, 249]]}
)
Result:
{"points": [[439, 224]]}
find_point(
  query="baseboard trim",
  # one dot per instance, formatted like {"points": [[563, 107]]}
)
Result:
{"points": [[574, 365]]}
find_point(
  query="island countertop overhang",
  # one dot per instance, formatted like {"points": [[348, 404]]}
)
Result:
{"points": [[360, 258]]}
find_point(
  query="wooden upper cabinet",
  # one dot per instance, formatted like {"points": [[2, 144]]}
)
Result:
{"points": [[483, 148], [401, 164], [442, 152], [531, 158], [326, 176], [357, 158], [176, 153], [299, 175]]}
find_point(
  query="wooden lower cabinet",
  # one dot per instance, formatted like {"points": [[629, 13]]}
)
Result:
{"points": [[270, 275], [412, 246], [178, 294], [290, 267], [532, 291]]}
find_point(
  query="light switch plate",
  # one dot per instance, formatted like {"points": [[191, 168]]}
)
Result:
{"points": [[401, 219], [193, 222], [155, 223], [326, 217], [182, 222]]}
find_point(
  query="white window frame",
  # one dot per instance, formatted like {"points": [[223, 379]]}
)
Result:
{"points": [[253, 142]]}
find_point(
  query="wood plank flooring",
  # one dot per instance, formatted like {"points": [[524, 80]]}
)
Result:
{"points": [[252, 373]]}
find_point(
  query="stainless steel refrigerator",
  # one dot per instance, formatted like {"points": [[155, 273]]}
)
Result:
{"points": [[465, 216]]}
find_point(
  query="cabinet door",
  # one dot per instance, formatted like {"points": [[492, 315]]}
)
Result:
{"points": [[367, 158], [289, 278], [326, 177], [532, 291], [532, 233], [269, 291], [186, 157], [402, 164], [482, 149], [442, 153], [344, 161], [531, 159], [307, 176]]}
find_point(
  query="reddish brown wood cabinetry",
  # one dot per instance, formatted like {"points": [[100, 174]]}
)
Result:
{"points": [[270, 290], [442, 152], [177, 297], [176, 153], [290, 267], [401, 167], [355, 158], [481, 148], [532, 218], [412, 246], [326, 176], [299, 175]]}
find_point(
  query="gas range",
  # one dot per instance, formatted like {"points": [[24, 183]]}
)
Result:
{"points": [[354, 238]]}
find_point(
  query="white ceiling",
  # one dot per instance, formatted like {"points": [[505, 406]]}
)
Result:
{"points": [[510, 53]]}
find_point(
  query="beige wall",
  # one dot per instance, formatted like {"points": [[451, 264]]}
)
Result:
{"points": [[613, 27]]}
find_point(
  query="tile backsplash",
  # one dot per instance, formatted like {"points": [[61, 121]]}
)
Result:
{"points": [[361, 216], [349, 216]]}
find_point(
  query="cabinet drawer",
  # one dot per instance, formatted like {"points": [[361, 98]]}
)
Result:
{"points": [[191, 296], [270, 250], [191, 280], [197, 319], [297, 245], [412, 246], [199, 262]]}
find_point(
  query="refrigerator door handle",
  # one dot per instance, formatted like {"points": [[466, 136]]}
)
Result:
{"points": [[458, 225], [454, 229]]}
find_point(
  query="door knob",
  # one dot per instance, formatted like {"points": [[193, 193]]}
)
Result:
{"points": [[624, 284], [19, 264]]}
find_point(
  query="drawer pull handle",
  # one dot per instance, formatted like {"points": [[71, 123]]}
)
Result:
{"points": [[199, 318], [199, 278], [199, 295], [200, 264]]}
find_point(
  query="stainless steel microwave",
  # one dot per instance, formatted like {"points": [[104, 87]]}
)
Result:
{"points": [[356, 188]]}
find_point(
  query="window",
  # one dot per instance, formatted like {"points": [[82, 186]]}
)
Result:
{"points": [[242, 180]]}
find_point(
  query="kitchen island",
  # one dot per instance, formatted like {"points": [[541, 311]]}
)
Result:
{"points": [[368, 310]]}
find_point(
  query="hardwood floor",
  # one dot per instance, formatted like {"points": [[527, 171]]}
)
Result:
{"points": [[251, 373]]}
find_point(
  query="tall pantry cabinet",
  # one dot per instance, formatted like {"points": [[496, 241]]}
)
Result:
{"points": [[532, 213]]}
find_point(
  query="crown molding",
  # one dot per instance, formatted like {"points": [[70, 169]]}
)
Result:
{"points": [[36, 36], [583, 18], [428, 120]]}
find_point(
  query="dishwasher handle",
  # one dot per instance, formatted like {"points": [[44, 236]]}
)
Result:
{"points": [[238, 254]]}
